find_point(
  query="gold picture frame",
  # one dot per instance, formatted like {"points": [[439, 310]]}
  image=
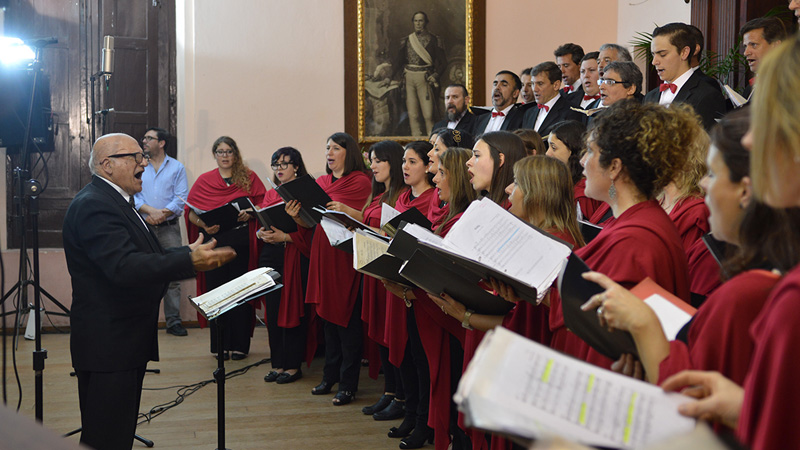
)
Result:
{"points": [[391, 92]]}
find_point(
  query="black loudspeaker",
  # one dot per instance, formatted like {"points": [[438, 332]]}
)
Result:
{"points": [[15, 97]]}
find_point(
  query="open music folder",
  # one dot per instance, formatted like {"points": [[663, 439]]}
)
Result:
{"points": [[520, 388], [222, 299]]}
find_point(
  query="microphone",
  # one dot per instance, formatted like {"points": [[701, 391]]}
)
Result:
{"points": [[108, 57]]}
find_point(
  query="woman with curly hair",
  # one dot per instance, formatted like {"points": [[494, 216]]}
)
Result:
{"points": [[566, 143], [232, 180], [633, 152]]}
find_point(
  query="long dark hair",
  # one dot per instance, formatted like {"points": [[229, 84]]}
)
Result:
{"points": [[454, 162], [421, 148], [392, 153], [294, 158], [572, 133], [353, 159], [513, 149]]}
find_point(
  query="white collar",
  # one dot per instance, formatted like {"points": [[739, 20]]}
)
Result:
{"points": [[124, 194]]}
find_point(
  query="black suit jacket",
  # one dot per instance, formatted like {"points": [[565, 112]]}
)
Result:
{"points": [[513, 120], [706, 98], [575, 97], [467, 123], [559, 112], [119, 273]]}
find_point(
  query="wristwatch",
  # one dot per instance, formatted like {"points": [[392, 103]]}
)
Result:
{"points": [[465, 322]]}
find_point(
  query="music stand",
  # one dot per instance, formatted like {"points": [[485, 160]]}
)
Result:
{"points": [[219, 373]]}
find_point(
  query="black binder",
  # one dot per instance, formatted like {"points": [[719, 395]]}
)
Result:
{"points": [[305, 190], [274, 216], [409, 216]]}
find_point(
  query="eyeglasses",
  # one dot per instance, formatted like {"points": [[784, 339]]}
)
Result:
{"points": [[138, 156], [610, 82], [281, 165], [223, 152], [149, 138]]}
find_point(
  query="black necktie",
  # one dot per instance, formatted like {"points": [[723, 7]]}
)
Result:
{"points": [[132, 202]]}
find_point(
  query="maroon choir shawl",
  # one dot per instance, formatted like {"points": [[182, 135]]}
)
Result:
{"points": [[395, 331], [210, 191], [642, 242], [704, 270], [436, 211], [769, 414], [598, 215], [332, 281], [588, 205], [690, 216]]}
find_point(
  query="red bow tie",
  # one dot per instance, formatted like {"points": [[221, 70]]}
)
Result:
{"points": [[752, 81], [497, 113], [591, 97], [671, 86], [544, 107], [568, 89]]}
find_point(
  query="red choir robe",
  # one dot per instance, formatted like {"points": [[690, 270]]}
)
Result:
{"points": [[600, 213], [642, 242], [690, 216], [373, 300], [588, 205], [210, 191], [436, 211], [719, 335], [332, 282], [704, 270], [395, 330], [434, 329], [769, 415]]}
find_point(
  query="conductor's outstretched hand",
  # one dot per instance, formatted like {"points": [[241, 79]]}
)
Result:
{"points": [[205, 257]]}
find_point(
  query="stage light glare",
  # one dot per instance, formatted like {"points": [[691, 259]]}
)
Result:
{"points": [[14, 52]]}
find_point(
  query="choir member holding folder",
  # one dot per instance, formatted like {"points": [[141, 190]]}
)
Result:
{"points": [[387, 185], [718, 335], [401, 334], [765, 411], [440, 333], [441, 141], [285, 313], [231, 180], [333, 284], [633, 151]]}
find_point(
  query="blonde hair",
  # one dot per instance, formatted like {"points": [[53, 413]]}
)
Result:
{"points": [[775, 114], [548, 193], [454, 162], [687, 181]]}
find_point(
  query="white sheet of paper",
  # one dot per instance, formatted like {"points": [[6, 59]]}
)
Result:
{"points": [[335, 231], [387, 213], [517, 386], [366, 249], [671, 317], [423, 234]]}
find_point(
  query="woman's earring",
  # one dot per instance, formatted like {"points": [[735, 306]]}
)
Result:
{"points": [[612, 191]]}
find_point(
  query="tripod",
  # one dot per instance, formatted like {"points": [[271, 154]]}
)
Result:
{"points": [[26, 194]]}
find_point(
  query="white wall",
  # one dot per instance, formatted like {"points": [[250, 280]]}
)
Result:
{"points": [[644, 15]]}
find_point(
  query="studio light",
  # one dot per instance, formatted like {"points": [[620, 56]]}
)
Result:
{"points": [[14, 52]]}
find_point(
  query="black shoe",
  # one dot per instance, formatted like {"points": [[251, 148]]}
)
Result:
{"points": [[177, 330], [343, 397], [395, 410], [272, 376], [238, 356], [287, 377], [225, 356], [404, 429], [322, 388], [382, 403], [418, 437]]}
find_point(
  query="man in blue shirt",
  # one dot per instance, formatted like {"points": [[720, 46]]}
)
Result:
{"points": [[161, 204]]}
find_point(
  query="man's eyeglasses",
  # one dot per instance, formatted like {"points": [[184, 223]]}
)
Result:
{"points": [[610, 82], [223, 152], [149, 138], [138, 156], [281, 165]]}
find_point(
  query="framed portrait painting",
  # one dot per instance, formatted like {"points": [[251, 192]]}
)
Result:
{"points": [[399, 58]]}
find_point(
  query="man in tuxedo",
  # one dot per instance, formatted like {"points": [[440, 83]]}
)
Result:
{"points": [[506, 113], [456, 103], [589, 77], [568, 58], [552, 105], [611, 52], [527, 87], [119, 273], [673, 46]]}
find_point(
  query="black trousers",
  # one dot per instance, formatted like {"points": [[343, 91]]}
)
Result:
{"points": [[415, 374], [109, 403], [287, 345], [343, 349], [238, 322], [391, 374]]}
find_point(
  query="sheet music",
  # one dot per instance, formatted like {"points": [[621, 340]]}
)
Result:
{"points": [[196, 210], [491, 235], [366, 249], [335, 231], [734, 96], [517, 386], [423, 235], [671, 317], [387, 213], [215, 301]]}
